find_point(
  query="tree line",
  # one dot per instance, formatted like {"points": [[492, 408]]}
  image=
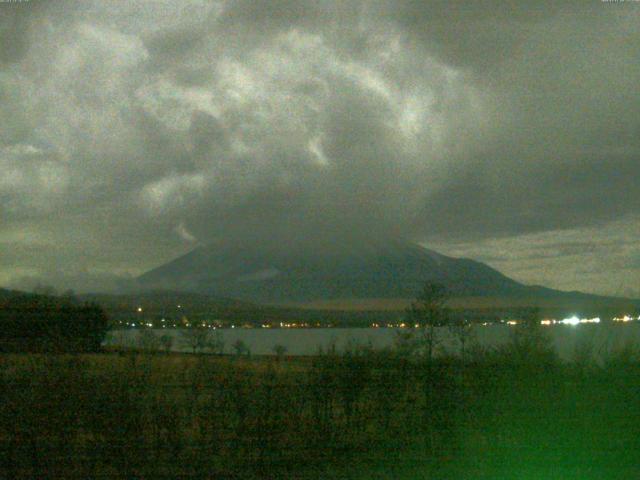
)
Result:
{"points": [[31, 322], [511, 412]]}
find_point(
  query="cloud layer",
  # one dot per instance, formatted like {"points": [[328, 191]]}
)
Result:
{"points": [[131, 134]]}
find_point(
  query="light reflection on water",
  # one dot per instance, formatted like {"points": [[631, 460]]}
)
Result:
{"points": [[601, 339]]}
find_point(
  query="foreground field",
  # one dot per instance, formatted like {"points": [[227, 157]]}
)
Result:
{"points": [[514, 413]]}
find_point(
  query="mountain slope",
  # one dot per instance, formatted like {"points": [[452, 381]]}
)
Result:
{"points": [[385, 269]]}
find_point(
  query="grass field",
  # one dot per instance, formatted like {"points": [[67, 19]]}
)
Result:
{"points": [[514, 413]]}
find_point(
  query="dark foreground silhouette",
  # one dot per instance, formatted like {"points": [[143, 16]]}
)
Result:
{"points": [[513, 413], [44, 323]]}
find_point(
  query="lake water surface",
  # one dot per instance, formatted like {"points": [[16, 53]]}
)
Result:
{"points": [[567, 339]]}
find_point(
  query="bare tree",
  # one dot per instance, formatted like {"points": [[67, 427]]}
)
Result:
{"points": [[195, 337], [429, 311], [167, 342], [216, 344], [241, 348], [462, 331], [529, 342], [147, 339], [279, 350]]}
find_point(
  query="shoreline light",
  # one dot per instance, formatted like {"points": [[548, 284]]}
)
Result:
{"points": [[570, 321], [590, 320]]}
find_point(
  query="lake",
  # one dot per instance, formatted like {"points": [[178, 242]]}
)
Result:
{"points": [[567, 339]]}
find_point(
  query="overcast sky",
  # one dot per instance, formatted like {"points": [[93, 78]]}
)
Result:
{"points": [[508, 132]]}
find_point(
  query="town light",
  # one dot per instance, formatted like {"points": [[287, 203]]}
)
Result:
{"points": [[570, 321]]}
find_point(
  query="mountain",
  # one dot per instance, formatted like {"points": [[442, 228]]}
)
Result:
{"points": [[13, 296], [161, 300], [389, 269]]}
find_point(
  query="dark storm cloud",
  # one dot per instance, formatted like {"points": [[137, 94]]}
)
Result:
{"points": [[483, 33], [526, 198], [131, 134]]}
